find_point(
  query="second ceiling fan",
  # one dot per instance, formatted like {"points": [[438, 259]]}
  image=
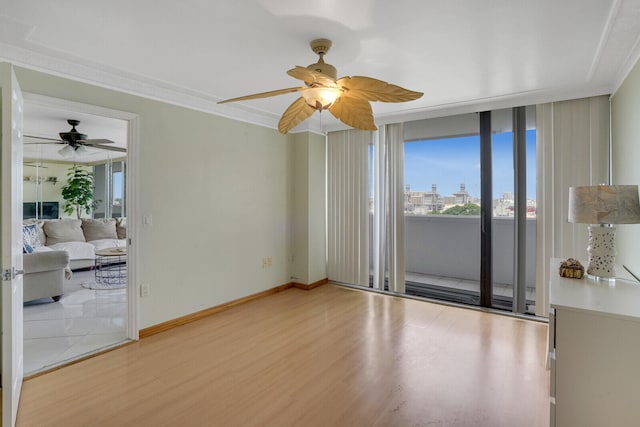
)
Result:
{"points": [[346, 98], [75, 141]]}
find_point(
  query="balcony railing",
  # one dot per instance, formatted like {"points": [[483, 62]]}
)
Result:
{"points": [[444, 251]]}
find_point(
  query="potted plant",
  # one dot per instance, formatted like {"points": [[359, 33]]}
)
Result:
{"points": [[78, 192]]}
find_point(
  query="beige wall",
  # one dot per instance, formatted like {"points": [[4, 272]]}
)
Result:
{"points": [[220, 194], [625, 112]]}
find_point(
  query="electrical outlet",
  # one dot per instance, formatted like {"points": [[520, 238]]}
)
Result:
{"points": [[145, 290]]}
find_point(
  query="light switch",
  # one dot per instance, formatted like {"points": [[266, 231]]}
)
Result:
{"points": [[147, 220]]}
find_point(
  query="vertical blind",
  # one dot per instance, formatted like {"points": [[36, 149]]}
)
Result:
{"points": [[349, 231], [572, 149], [348, 206]]}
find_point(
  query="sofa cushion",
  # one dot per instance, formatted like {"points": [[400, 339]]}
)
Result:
{"points": [[76, 250], [121, 227], [96, 229], [63, 230], [30, 238]]}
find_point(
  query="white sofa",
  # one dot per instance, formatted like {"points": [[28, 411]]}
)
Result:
{"points": [[80, 238]]}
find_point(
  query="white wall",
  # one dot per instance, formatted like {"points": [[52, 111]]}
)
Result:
{"points": [[219, 194], [625, 130]]}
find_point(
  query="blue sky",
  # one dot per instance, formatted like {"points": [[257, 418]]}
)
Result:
{"points": [[453, 161], [117, 185]]}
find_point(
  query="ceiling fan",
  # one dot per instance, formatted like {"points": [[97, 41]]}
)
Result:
{"points": [[75, 142], [346, 98]]}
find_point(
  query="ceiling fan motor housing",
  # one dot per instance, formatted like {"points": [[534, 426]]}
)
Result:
{"points": [[73, 135], [321, 47]]}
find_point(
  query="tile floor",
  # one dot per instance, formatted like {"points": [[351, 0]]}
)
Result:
{"points": [[82, 322]]}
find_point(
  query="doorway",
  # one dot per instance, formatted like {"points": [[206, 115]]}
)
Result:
{"points": [[89, 317]]}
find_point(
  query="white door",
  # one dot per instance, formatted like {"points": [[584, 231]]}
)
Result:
{"points": [[11, 243]]}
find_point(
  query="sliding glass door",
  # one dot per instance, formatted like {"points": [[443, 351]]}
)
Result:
{"points": [[514, 221], [442, 212], [463, 176]]}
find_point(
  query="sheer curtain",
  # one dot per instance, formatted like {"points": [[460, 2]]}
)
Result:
{"points": [[572, 149], [388, 217], [348, 206]]}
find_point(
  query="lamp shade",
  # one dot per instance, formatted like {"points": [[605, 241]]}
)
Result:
{"points": [[604, 204]]}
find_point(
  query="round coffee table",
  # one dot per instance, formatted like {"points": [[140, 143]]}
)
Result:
{"points": [[111, 266]]}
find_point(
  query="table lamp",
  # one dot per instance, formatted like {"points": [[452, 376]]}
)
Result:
{"points": [[600, 206]]}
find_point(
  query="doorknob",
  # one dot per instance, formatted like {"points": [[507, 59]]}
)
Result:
{"points": [[8, 275]]}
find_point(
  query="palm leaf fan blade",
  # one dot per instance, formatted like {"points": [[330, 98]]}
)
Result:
{"points": [[294, 115], [263, 94], [372, 89], [353, 112]]}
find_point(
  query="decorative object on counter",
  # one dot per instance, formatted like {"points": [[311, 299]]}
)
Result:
{"points": [[600, 206], [571, 268]]}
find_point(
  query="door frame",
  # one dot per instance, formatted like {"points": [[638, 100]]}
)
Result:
{"points": [[132, 186]]}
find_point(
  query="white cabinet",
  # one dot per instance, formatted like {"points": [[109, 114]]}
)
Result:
{"points": [[594, 352]]}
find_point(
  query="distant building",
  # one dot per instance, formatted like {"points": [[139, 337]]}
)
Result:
{"points": [[462, 197], [422, 202]]}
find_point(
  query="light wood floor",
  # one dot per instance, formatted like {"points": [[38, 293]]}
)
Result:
{"points": [[332, 356]]}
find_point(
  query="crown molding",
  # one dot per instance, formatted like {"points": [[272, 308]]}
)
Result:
{"points": [[110, 78]]}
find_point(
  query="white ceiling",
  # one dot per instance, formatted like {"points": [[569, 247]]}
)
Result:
{"points": [[465, 55]]}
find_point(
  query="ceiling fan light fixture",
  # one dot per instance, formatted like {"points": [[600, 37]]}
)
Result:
{"points": [[321, 98], [323, 89], [81, 151], [66, 152]]}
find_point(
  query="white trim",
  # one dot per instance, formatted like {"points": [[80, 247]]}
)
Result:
{"points": [[101, 76], [604, 37]]}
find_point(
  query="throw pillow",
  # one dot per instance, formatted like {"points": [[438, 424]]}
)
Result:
{"points": [[97, 229], [30, 238], [63, 230], [40, 223]]}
